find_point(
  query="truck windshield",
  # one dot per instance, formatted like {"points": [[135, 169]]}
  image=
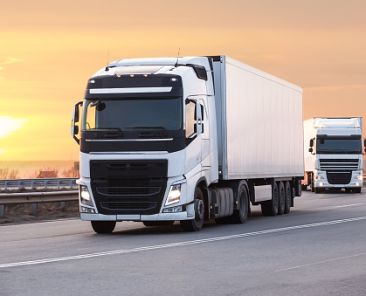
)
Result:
{"points": [[339, 145], [133, 114]]}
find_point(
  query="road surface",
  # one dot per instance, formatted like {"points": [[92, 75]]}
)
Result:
{"points": [[318, 249]]}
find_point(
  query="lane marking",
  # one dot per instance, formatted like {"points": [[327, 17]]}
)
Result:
{"points": [[321, 262], [349, 205], [178, 244]]}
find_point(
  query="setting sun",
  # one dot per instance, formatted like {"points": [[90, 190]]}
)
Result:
{"points": [[9, 125]]}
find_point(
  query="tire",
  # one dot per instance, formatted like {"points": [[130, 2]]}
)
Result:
{"points": [[157, 223], [270, 207], [103, 226], [357, 190], [312, 183], [240, 214], [281, 198], [288, 199], [318, 190], [199, 210]]}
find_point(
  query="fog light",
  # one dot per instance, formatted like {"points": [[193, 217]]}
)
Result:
{"points": [[87, 210], [321, 184], [176, 209], [174, 195], [360, 177]]}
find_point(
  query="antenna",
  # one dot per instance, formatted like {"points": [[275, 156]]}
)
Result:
{"points": [[107, 67], [176, 63]]}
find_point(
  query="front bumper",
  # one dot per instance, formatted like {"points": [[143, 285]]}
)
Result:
{"points": [[89, 212], [321, 181], [187, 215]]}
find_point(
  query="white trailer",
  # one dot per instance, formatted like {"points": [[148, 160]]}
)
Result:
{"points": [[189, 139], [333, 154]]}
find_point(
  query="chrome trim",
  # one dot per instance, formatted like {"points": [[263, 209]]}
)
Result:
{"points": [[129, 90]]}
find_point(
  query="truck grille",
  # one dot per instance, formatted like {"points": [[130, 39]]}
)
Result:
{"points": [[338, 164], [128, 187], [339, 177]]}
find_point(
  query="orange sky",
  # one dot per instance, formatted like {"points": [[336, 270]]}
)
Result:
{"points": [[50, 48]]}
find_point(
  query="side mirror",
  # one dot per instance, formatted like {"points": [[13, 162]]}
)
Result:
{"points": [[364, 145], [311, 149], [75, 122], [311, 142]]}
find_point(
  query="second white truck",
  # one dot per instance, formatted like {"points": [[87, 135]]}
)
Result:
{"points": [[333, 154], [191, 139]]}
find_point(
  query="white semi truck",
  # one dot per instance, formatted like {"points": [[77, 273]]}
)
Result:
{"points": [[189, 139], [333, 154]]}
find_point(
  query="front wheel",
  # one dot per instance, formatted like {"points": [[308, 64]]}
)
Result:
{"points": [[199, 213], [103, 226]]}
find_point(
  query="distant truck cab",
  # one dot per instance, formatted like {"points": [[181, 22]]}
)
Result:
{"points": [[192, 139], [333, 154]]}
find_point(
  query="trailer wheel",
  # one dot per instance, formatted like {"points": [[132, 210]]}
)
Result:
{"points": [[281, 198], [270, 207], [199, 210], [288, 191], [157, 223], [103, 226], [240, 214], [312, 183]]}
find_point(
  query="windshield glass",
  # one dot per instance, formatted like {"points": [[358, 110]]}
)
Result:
{"points": [[339, 145], [133, 114]]}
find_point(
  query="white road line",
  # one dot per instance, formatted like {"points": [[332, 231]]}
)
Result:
{"points": [[349, 205], [321, 262], [178, 244]]}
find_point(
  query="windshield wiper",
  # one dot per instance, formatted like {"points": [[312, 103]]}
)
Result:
{"points": [[110, 129], [146, 127]]}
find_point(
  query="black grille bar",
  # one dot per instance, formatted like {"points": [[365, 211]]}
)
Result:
{"points": [[128, 187]]}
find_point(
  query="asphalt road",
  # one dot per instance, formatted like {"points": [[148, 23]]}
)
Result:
{"points": [[318, 249]]}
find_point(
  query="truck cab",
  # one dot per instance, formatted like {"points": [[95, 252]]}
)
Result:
{"points": [[333, 154], [144, 129]]}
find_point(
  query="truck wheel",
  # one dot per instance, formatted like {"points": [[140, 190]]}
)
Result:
{"points": [[199, 211], [357, 190], [158, 223], [318, 190], [312, 184], [281, 198], [103, 226], [270, 207], [288, 197], [240, 214]]}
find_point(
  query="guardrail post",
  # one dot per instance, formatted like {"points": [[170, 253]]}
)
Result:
{"points": [[34, 209], [2, 211]]}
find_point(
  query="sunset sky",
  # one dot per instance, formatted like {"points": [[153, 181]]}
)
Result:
{"points": [[50, 48]]}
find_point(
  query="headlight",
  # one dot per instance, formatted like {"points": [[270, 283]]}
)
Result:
{"points": [[174, 194], [85, 197], [360, 177]]}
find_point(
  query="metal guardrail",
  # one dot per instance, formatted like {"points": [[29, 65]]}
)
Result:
{"points": [[29, 185], [38, 197]]}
